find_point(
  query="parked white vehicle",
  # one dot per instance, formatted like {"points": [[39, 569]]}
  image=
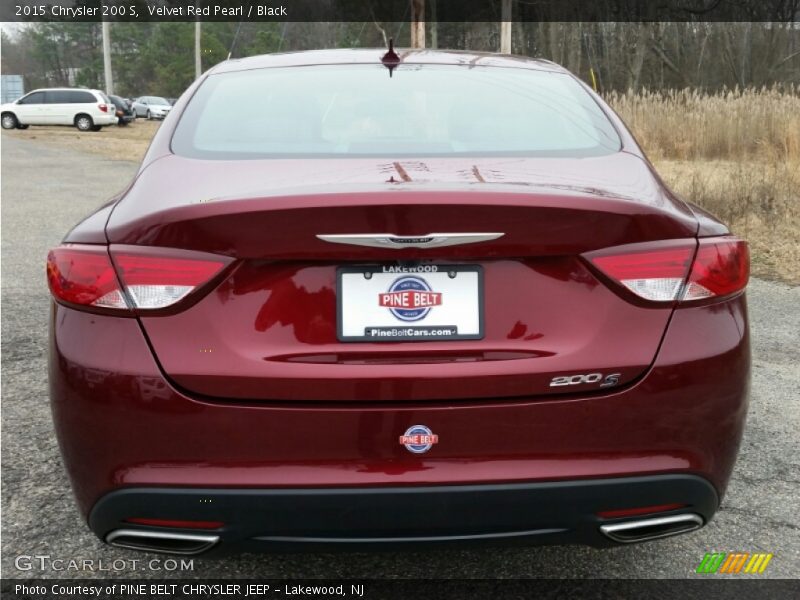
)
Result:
{"points": [[88, 110], [151, 107]]}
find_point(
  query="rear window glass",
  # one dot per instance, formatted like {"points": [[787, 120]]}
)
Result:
{"points": [[358, 110], [82, 97]]}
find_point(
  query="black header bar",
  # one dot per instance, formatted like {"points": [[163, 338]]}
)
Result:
{"points": [[400, 10]]}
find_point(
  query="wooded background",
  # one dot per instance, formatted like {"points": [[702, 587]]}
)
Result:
{"points": [[158, 58]]}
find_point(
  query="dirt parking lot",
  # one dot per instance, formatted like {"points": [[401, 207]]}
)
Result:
{"points": [[117, 143], [46, 189]]}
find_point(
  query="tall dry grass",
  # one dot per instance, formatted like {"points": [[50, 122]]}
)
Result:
{"points": [[733, 124], [736, 154]]}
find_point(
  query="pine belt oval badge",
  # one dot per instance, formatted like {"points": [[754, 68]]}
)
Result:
{"points": [[410, 298], [419, 439]]}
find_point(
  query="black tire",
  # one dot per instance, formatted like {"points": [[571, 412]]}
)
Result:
{"points": [[9, 121], [97, 127], [148, 115], [84, 122]]}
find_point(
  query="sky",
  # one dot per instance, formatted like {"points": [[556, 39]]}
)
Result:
{"points": [[9, 28]]}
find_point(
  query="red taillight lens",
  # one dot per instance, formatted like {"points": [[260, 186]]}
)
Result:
{"points": [[720, 269], [103, 107], [152, 278], [654, 272], [665, 272], [84, 276], [157, 281]]}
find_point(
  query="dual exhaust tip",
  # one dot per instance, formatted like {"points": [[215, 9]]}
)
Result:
{"points": [[162, 541], [627, 532], [652, 529]]}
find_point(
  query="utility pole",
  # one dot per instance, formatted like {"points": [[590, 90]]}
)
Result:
{"points": [[107, 57], [417, 23], [434, 26], [505, 27], [198, 67]]}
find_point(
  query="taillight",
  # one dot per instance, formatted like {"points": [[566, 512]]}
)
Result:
{"points": [[144, 278], [84, 276], [103, 107], [654, 272], [157, 282], [720, 269], [677, 270]]}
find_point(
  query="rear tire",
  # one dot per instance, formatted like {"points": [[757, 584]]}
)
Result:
{"points": [[9, 121], [84, 123], [149, 116]]}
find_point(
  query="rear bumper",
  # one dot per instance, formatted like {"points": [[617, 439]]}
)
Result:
{"points": [[105, 119], [280, 519], [122, 425]]}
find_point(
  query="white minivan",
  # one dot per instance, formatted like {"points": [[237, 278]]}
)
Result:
{"points": [[88, 110]]}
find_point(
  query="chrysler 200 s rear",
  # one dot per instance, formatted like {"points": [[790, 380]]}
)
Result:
{"points": [[445, 302]]}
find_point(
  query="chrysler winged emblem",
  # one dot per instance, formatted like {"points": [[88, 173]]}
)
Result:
{"points": [[398, 242]]}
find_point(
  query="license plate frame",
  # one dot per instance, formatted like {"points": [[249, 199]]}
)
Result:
{"points": [[387, 272]]}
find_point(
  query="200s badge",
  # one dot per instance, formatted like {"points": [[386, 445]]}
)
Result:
{"points": [[419, 439]]}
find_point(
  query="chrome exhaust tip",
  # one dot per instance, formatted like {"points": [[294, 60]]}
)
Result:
{"points": [[652, 529], [161, 541]]}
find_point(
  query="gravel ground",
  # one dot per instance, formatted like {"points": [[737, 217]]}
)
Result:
{"points": [[45, 190]]}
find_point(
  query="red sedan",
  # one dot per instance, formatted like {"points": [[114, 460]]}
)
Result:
{"points": [[363, 300]]}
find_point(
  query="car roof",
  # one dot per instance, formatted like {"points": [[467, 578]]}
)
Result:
{"points": [[65, 89], [373, 56]]}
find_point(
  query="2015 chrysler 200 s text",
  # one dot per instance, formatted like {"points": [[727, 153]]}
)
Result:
{"points": [[446, 301]]}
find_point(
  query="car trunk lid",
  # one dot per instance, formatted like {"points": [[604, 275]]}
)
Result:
{"points": [[269, 331]]}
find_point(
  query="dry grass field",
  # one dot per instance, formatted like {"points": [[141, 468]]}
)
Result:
{"points": [[736, 154]]}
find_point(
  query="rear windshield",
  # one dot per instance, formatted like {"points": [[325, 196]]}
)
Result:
{"points": [[358, 110]]}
